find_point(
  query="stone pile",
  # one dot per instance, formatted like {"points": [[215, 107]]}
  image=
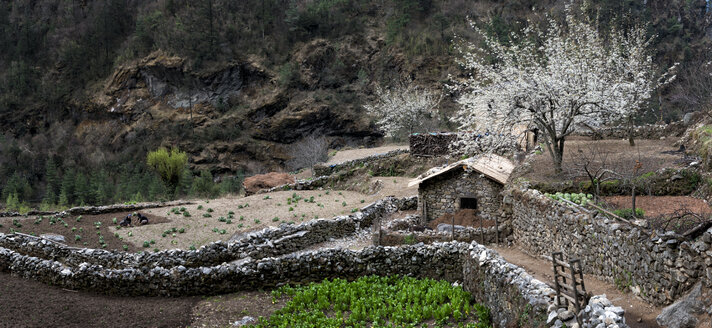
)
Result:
{"points": [[656, 266]]}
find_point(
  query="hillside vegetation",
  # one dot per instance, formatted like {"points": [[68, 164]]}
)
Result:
{"points": [[89, 87]]}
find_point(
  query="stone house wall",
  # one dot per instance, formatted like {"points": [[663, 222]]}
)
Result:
{"points": [[658, 267], [441, 194]]}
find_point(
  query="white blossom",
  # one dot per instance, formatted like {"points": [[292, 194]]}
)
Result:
{"points": [[403, 108], [556, 79]]}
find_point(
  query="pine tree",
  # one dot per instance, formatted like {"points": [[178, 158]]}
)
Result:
{"points": [[185, 184], [51, 177], [66, 194], [82, 193], [156, 189]]}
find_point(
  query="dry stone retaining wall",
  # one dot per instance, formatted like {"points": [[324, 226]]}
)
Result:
{"points": [[657, 267], [94, 210], [264, 243], [396, 232], [648, 131], [511, 293], [326, 170]]}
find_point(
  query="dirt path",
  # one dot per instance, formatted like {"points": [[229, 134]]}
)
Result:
{"points": [[352, 154], [635, 309]]}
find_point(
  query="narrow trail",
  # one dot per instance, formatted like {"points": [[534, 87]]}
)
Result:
{"points": [[638, 313]]}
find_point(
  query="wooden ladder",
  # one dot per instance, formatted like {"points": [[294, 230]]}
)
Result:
{"points": [[575, 291]]}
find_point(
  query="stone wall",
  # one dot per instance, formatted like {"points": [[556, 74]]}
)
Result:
{"points": [[441, 194], [648, 131], [94, 210], [431, 144], [325, 170], [268, 242], [513, 296], [398, 231], [658, 267]]}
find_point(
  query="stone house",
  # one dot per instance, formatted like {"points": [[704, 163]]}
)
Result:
{"points": [[474, 183]]}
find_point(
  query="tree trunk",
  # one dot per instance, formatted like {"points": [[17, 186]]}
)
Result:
{"points": [[558, 154], [633, 199], [631, 141]]}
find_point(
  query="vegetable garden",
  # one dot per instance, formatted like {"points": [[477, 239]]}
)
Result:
{"points": [[372, 301]]}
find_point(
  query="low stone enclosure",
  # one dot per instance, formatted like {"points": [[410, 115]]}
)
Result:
{"points": [[86, 210], [656, 267], [408, 230], [272, 257]]}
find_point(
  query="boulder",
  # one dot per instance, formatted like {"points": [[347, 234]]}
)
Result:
{"points": [[53, 237], [683, 313], [256, 183]]}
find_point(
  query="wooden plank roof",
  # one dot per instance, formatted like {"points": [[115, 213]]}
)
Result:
{"points": [[492, 166]]}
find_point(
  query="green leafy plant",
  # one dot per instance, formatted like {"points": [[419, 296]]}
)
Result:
{"points": [[376, 302]]}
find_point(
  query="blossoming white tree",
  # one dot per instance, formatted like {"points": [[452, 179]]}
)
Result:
{"points": [[404, 108], [569, 74]]}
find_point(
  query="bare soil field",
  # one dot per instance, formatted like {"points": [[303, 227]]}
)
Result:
{"points": [[653, 155], [208, 220], [352, 154], [657, 206], [28, 303], [256, 212], [668, 213], [85, 228]]}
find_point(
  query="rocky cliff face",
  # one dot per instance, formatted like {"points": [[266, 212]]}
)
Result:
{"points": [[237, 116]]}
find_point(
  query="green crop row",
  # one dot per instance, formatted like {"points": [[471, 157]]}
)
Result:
{"points": [[373, 301]]}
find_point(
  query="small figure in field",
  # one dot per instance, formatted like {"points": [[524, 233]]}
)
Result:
{"points": [[126, 221], [142, 219]]}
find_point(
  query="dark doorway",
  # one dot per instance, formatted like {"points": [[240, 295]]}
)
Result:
{"points": [[468, 203]]}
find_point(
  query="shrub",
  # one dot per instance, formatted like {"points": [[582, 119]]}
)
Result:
{"points": [[169, 165]]}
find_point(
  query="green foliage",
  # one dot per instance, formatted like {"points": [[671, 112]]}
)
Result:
{"points": [[580, 198], [409, 239], [169, 165], [372, 301], [288, 74], [204, 186]]}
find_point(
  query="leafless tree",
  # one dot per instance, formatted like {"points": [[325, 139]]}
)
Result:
{"points": [[592, 161], [695, 89], [308, 152], [630, 174]]}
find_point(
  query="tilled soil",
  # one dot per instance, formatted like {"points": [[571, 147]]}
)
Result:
{"points": [[83, 226], [656, 206], [665, 212], [223, 310], [28, 303]]}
